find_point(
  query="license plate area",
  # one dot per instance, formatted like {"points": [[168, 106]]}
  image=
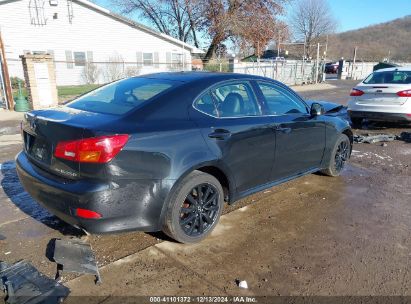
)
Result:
{"points": [[37, 148]]}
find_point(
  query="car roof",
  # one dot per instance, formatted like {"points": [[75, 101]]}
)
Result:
{"points": [[404, 68], [197, 75]]}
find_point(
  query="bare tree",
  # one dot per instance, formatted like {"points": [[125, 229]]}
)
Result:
{"points": [[253, 21], [90, 73], [311, 20], [114, 68], [177, 18]]}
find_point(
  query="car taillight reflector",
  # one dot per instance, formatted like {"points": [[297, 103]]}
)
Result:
{"points": [[91, 150], [356, 92], [406, 93], [88, 214]]}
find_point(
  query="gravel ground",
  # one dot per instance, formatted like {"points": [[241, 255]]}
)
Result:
{"points": [[312, 236]]}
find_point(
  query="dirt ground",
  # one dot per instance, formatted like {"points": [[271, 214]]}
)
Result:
{"points": [[314, 236]]}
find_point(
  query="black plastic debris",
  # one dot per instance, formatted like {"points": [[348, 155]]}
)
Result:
{"points": [[374, 138], [2, 237], [405, 136], [75, 256], [24, 284]]}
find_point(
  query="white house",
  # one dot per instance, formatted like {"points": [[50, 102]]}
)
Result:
{"points": [[85, 40]]}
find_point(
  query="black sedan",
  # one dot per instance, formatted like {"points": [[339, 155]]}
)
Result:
{"points": [[165, 151]]}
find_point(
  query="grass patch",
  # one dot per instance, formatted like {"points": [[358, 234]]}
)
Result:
{"points": [[65, 91]]}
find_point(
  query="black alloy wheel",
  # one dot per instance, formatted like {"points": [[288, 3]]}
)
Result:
{"points": [[199, 210], [341, 156]]}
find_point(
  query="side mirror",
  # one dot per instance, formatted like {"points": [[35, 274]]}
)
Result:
{"points": [[316, 109]]}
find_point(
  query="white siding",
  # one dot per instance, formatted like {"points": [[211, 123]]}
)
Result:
{"points": [[90, 31]]}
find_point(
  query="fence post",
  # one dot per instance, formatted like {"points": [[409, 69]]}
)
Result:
{"points": [[40, 77], [295, 73], [6, 77]]}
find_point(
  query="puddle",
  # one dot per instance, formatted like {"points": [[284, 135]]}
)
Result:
{"points": [[22, 200], [14, 190]]}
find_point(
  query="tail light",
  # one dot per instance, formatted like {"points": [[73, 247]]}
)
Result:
{"points": [[356, 92], [91, 150], [87, 214], [406, 93]]}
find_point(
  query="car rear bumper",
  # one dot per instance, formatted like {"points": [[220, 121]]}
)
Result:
{"points": [[125, 205], [380, 116]]}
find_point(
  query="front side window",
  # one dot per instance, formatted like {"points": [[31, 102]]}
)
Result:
{"points": [[79, 58], [280, 102], [389, 77], [148, 59], [235, 100], [121, 96]]}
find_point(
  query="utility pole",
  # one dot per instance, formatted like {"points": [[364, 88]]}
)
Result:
{"points": [[317, 65], [278, 44], [6, 77], [326, 49], [353, 62]]}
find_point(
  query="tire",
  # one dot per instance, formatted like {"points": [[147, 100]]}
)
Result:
{"points": [[339, 156], [188, 218], [356, 123]]}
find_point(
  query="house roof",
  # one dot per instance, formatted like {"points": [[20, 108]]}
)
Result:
{"points": [[131, 23]]}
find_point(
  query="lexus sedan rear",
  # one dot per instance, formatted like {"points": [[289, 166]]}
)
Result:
{"points": [[165, 151], [385, 95]]}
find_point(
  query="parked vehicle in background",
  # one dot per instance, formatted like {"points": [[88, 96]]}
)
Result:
{"points": [[165, 151], [331, 67], [385, 95]]}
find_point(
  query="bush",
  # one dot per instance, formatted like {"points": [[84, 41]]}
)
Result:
{"points": [[15, 82], [91, 73], [215, 66]]}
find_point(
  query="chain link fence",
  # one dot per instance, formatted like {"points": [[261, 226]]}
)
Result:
{"points": [[289, 72], [68, 73]]}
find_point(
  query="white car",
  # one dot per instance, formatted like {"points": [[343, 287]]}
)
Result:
{"points": [[385, 95]]}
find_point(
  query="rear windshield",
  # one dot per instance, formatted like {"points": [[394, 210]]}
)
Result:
{"points": [[121, 96], [393, 77]]}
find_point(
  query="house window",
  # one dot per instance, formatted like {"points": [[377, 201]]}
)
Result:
{"points": [[177, 60], [148, 59], [79, 58]]}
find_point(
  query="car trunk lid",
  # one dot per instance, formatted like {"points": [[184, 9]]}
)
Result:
{"points": [[381, 94], [42, 130]]}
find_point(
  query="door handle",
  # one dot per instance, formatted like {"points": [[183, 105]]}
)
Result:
{"points": [[283, 130], [220, 134]]}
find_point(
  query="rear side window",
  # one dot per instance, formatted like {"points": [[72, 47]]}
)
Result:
{"points": [[389, 77], [280, 102], [206, 105], [121, 96], [235, 100]]}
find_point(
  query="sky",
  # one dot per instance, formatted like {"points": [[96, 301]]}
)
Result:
{"points": [[353, 14]]}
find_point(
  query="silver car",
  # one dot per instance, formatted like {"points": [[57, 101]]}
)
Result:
{"points": [[385, 95]]}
